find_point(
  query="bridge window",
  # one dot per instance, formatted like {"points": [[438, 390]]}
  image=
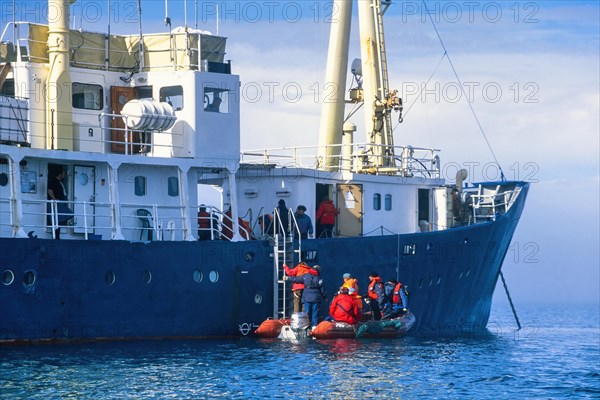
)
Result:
{"points": [[173, 186], [140, 185], [87, 97], [216, 100], [172, 95], [377, 202]]}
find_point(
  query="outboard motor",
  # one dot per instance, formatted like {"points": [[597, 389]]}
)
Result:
{"points": [[298, 328]]}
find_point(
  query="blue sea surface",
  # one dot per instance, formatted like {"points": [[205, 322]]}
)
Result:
{"points": [[555, 356]]}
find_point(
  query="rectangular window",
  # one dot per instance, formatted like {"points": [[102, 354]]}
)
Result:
{"points": [[8, 89], [173, 186], [424, 195], [144, 92], [216, 100], [87, 96], [172, 95], [140, 185]]}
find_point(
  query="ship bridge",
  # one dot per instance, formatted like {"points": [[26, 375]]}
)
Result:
{"points": [[181, 75]]}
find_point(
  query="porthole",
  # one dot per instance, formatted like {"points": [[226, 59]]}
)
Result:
{"points": [[468, 273], [8, 277], [146, 277], [110, 278], [249, 256], [429, 246], [439, 280], [3, 179], [29, 278], [83, 179], [466, 240], [197, 276], [258, 298], [421, 283], [461, 274], [430, 281], [213, 276]]}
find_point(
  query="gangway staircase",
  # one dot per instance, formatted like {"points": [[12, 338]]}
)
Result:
{"points": [[284, 253]]}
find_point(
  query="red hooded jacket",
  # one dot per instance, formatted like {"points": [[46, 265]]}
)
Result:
{"points": [[343, 308]]}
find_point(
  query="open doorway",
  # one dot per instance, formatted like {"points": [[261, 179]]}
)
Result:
{"points": [[322, 191]]}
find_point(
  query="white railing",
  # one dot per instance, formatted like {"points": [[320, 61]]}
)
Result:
{"points": [[488, 204], [408, 160]]}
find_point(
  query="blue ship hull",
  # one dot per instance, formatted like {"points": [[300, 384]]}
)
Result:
{"points": [[53, 290]]}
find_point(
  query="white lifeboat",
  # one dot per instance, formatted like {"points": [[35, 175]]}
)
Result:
{"points": [[148, 115]]}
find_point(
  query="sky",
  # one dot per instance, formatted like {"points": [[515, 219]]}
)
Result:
{"points": [[532, 70]]}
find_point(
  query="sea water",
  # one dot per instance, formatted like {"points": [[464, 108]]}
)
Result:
{"points": [[556, 355]]}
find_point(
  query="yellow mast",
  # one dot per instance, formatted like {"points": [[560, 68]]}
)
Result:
{"points": [[59, 110]]}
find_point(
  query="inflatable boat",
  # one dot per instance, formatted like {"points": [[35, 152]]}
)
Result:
{"points": [[369, 329]]}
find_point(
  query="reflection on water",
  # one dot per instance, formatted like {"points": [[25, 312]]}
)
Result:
{"points": [[552, 357]]}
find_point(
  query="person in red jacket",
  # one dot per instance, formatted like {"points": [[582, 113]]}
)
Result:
{"points": [[326, 216], [298, 287], [343, 308]]}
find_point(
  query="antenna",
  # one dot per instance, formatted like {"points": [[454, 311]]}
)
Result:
{"points": [[185, 13], [141, 65], [167, 18], [107, 54], [217, 19], [196, 13]]}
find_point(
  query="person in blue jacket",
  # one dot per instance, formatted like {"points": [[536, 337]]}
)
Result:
{"points": [[314, 294], [304, 223]]}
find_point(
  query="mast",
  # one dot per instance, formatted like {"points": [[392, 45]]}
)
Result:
{"points": [[378, 101], [59, 112], [332, 111]]}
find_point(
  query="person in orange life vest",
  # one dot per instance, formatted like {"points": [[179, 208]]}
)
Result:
{"points": [[398, 297], [313, 295], [205, 223], [343, 308], [298, 287], [326, 216], [377, 299], [352, 283], [349, 281]]}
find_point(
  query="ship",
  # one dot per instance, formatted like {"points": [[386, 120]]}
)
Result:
{"points": [[112, 145]]}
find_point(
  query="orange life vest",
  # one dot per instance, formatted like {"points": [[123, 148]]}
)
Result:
{"points": [[371, 290]]}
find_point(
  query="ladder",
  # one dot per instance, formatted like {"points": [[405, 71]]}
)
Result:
{"points": [[283, 252]]}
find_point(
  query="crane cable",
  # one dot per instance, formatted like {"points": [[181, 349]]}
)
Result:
{"points": [[462, 88]]}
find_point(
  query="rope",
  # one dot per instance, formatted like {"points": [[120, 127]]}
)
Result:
{"points": [[512, 306], [462, 88]]}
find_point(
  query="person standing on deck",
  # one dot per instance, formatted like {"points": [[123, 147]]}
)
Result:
{"points": [[58, 192], [304, 223], [326, 215], [283, 217]]}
